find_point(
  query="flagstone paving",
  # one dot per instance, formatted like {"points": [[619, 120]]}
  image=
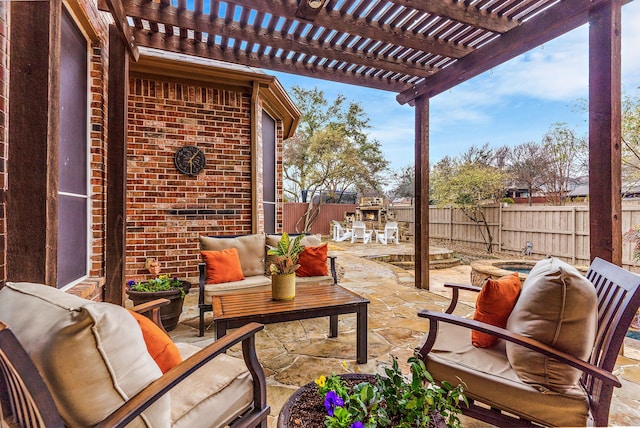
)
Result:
{"points": [[294, 353]]}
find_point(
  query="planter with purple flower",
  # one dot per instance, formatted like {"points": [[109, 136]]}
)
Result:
{"points": [[160, 287], [355, 400]]}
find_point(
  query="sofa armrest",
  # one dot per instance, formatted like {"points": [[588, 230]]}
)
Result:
{"points": [[156, 389], [435, 317]]}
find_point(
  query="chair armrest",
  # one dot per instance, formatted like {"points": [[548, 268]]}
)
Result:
{"points": [[152, 310], [334, 273], [156, 389], [434, 317], [455, 293]]}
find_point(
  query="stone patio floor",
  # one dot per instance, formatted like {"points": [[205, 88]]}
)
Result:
{"points": [[294, 353]]}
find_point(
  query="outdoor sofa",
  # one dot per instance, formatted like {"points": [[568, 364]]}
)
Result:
{"points": [[254, 265]]}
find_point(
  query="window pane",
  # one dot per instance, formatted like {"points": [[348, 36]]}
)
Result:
{"points": [[72, 239], [72, 174]]}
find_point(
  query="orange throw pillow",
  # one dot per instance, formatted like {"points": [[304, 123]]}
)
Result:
{"points": [[223, 266], [313, 261], [494, 305], [159, 344]]}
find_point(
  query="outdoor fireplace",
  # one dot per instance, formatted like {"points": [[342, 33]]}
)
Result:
{"points": [[372, 211]]}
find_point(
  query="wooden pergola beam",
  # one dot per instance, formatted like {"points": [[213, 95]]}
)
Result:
{"points": [[546, 26], [462, 12], [350, 24], [191, 47], [200, 23]]}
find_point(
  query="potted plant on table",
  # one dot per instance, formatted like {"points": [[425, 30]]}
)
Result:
{"points": [[284, 266], [160, 287]]}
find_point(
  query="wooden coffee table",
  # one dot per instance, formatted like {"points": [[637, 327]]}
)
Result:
{"points": [[311, 301]]}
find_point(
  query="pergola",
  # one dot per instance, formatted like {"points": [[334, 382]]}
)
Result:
{"points": [[415, 48]]}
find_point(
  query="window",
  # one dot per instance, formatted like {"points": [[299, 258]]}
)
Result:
{"points": [[73, 190]]}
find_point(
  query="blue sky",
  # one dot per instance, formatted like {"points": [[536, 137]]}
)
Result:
{"points": [[511, 104]]}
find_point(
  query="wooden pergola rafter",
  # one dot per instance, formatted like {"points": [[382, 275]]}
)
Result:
{"points": [[416, 48]]}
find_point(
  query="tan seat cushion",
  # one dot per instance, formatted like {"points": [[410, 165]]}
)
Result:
{"points": [[251, 250], [558, 307], [91, 355], [487, 375], [249, 284], [213, 396]]}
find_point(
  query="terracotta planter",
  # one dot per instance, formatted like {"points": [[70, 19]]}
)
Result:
{"points": [[283, 287], [169, 314]]}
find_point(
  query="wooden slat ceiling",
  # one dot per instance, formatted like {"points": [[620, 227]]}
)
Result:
{"points": [[413, 47]]}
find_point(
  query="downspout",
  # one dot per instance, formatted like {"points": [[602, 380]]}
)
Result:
{"points": [[254, 156]]}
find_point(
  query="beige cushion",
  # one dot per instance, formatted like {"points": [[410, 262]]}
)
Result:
{"points": [[213, 396], [250, 250], [249, 284], [488, 376], [91, 355], [308, 240], [558, 307]]}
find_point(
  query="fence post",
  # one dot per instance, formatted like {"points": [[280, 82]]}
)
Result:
{"points": [[574, 212], [450, 225], [499, 227]]}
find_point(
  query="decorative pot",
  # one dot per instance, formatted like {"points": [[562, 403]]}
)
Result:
{"points": [[283, 287], [169, 314]]}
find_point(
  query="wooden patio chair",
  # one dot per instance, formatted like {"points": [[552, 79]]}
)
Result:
{"points": [[27, 401], [498, 396]]}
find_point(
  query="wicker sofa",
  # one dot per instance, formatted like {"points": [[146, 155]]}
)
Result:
{"points": [[252, 252]]}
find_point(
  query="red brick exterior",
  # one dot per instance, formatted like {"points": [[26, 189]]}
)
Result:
{"points": [[167, 210]]}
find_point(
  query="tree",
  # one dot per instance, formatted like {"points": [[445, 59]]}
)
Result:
{"points": [[631, 140], [330, 150], [469, 185], [527, 165], [403, 182], [566, 158]]}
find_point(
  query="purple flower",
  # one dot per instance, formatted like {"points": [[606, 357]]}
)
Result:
{"points": [[357, 424], [331, 401], [131, 283]]}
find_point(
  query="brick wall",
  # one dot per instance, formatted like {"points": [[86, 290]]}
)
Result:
{"points": [[165, 114]]}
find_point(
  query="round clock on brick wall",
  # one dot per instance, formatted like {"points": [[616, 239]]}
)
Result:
{"points": [[190, 160]]}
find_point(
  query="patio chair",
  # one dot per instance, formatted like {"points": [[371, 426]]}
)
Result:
{"points": [[496, 390], [390, 233], [360, 231], [65, 361], [340, 233]]}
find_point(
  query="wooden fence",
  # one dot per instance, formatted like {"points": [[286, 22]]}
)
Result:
{"points": [[294, 212], [560, 231]]}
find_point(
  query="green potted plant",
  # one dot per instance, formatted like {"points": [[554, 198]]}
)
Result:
{"points": [[367, 401], [160, 287], [283, 267]]}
